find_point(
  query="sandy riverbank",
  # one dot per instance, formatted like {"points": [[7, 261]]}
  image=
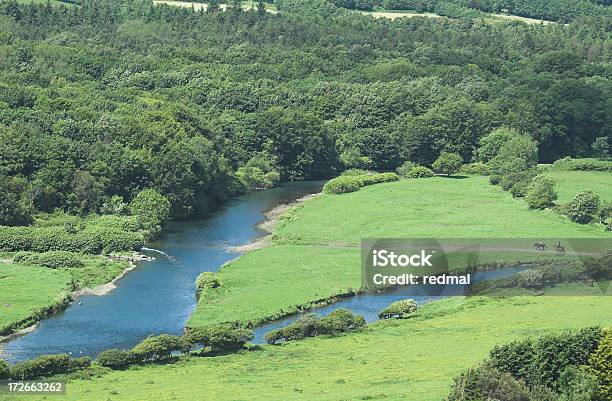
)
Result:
{"points": [[270, 222]]}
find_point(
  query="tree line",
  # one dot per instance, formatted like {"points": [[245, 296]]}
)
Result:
{"points": [[103, 100]]}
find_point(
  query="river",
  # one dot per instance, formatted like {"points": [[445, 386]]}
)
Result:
{"points": [[159, 296], [156, 297]]}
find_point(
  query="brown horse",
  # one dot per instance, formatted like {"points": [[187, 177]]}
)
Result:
{"points": [[540, 246], [560, 248]]}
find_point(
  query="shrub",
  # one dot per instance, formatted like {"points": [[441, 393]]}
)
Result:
{"points": [[350, 183], [399, 309], [341, 321], [217, 338], [605, 212], [447, 163], [583, 207], [124, 223], [372, 179], [477, 168], [541, 361], [523, 178], [47, 365], [405, 168], [343, 184], [337, 322], [600, 364], [91, 240], [51, 259], [520, 188], [567, 163], [420, 172], [487, 383], [530, 279], [156, 348], [115, 359], [541, 192], [5, 372], [495, 179], [206, 280]]}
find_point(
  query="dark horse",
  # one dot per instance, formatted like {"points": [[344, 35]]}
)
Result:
{"points": [[560, 248], [540, 246]]}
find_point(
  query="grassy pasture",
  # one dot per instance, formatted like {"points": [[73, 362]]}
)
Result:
{"points": [[246, 5], [425, 208], [316, 252], [394, 14], [569, 183], [52, 2], [25, 290], [392, 360]]}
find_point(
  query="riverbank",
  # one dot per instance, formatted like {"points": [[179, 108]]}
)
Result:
{"points": [[413, 359], [37, 281], [269, 223]]}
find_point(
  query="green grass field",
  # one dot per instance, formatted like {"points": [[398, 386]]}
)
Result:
{"points": [[317, 254], [569, 183], [24, 290], [413, 359], [434, 207]]}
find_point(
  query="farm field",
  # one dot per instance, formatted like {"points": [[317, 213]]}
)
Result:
{"points": [[52, 2], [569, 183], [247, 5], [434, 207], [452, 335], [394, 14]]}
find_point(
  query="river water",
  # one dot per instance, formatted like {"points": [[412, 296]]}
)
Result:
{"points": [[156, 297]]}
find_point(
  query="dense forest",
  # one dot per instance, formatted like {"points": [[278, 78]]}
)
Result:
{"points": [[101, 100]]}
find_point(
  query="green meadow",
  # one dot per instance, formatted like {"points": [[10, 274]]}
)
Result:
{"points": [[27, 293], [25, 290], [431, 208], [421, 356], [569, 183], [316, 254]]}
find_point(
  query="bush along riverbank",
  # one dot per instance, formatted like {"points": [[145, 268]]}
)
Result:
{"points": [[206, 341], [163, 348]]}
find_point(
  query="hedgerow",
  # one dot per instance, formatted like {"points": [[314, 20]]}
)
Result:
{"points": [[586, 164], [91, 240], [352, 183], [337, 322], [47, 365], [51, 259]]}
